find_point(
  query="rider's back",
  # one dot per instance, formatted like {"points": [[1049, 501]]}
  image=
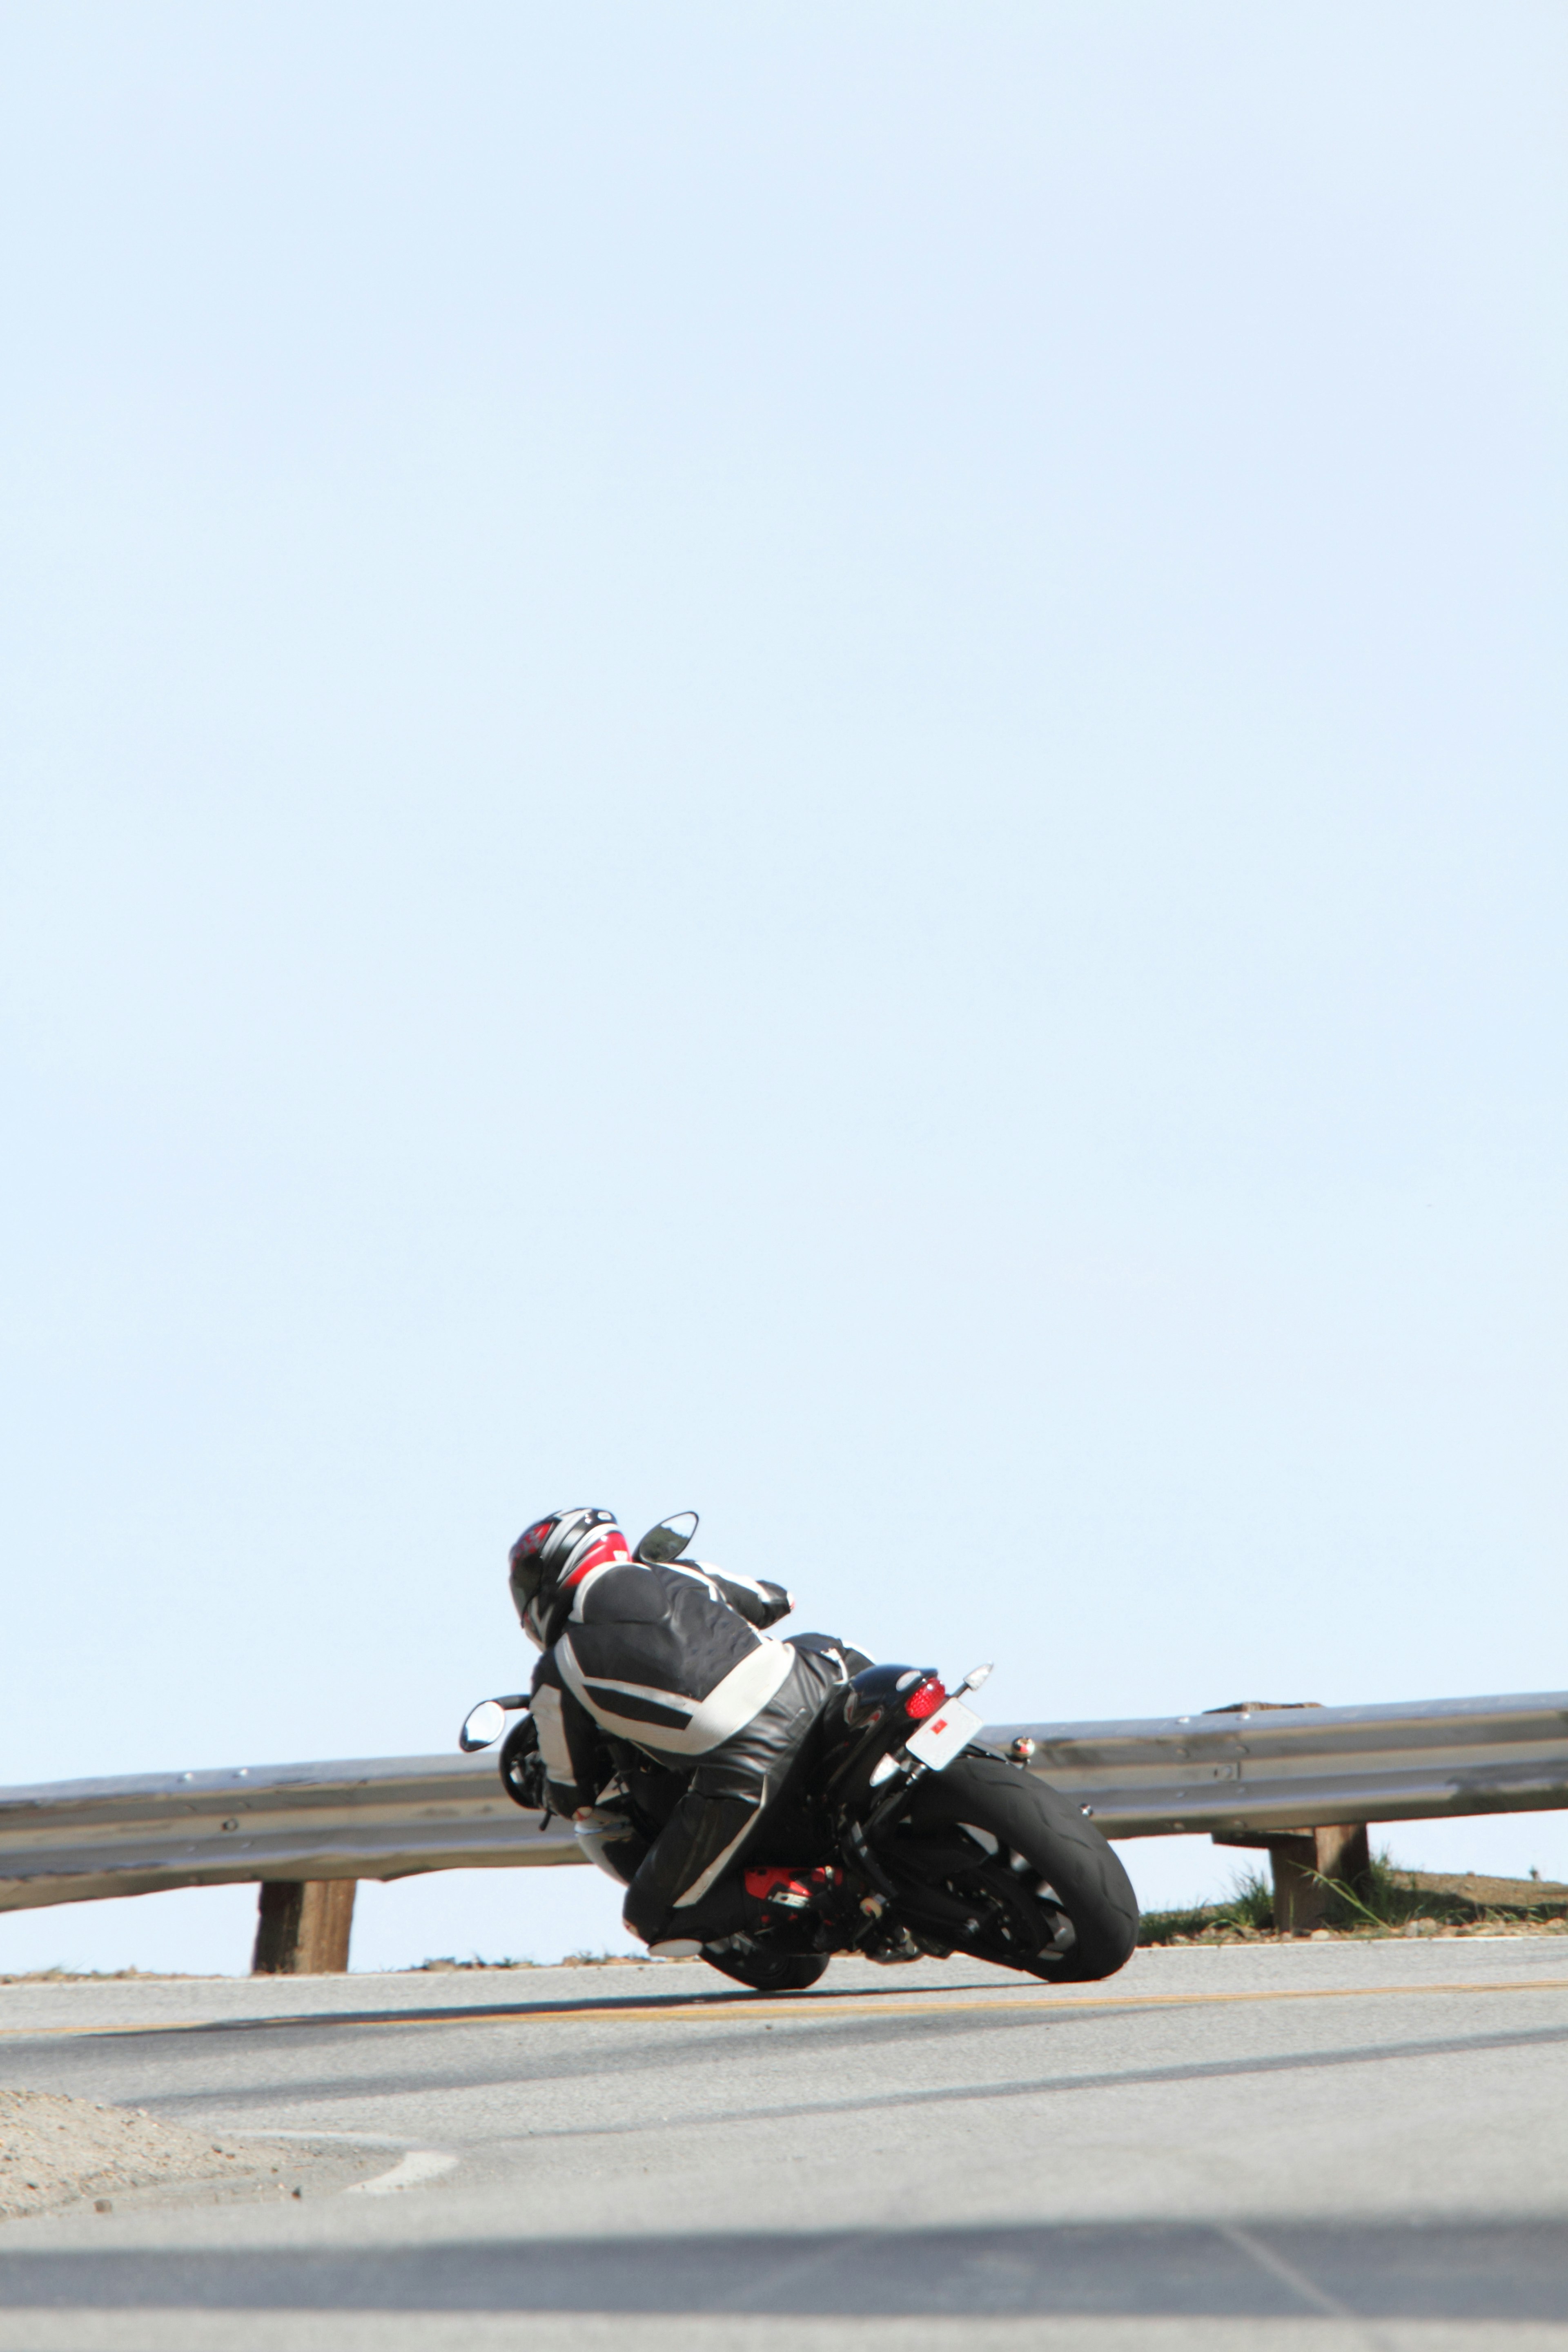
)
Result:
{"points": [[669, 1656]]}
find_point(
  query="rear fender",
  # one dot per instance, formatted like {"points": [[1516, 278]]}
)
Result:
{"points": [[869, 1722]]}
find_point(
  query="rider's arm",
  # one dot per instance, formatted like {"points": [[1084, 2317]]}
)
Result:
{"points": [[759, 1604], [570, 1741]]}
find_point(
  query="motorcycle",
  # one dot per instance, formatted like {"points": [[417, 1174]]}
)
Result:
{"points": [[897, 1834]]}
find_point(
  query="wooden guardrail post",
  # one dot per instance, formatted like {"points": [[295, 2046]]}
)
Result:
{"points": [[1301, 1860], [302, 1928]]}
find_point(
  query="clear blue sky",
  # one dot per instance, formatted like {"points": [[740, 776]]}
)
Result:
{"points": [[803, 759]]}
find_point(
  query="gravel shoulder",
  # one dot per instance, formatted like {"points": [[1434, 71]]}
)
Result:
{"points": [[57, 2152]]}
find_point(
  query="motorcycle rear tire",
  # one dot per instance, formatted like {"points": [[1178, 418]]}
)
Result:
{"points": [[1061, 1844], [766, 1971]]}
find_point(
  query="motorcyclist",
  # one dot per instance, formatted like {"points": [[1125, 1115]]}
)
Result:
{"points": [[674, 1658]]}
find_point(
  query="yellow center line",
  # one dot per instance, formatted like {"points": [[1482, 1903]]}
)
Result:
{"points": [[1043, 2005]]}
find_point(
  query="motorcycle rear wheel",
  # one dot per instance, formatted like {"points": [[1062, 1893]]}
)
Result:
{"points": [[1054, 1842]]}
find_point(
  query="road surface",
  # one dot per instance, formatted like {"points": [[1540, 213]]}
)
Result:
{"points": [[1297, 2148]]}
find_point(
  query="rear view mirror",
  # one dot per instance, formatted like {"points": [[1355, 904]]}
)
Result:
{"points": [[482, 1725], [667, 1540]]}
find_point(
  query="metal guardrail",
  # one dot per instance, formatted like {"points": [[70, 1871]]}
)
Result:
{"points": [[78, 1840], [1246, 1768], [1275, 1769]]}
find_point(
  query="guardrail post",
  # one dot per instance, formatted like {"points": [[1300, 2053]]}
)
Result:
{"points": [[1301, 1860], [302, 1928]]}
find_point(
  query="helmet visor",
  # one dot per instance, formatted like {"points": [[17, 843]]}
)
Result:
{"points": [[526, 1564]]}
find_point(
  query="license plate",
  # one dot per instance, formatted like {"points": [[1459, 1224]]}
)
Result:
{"points": [[947, 1735]]}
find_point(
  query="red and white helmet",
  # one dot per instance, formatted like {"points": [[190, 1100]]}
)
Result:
{"points": [[553, 1556]]}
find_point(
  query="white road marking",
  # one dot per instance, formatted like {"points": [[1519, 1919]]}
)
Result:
{"points": [[419, 2164]]}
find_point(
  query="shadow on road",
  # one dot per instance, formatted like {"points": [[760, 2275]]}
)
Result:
{"points": [[1496, 2271]]}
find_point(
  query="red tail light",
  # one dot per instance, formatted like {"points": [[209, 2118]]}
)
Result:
{"points": [[924, 1699]]}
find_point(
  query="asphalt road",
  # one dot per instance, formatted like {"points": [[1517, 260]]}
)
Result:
{"points": [[1304, 2147]]}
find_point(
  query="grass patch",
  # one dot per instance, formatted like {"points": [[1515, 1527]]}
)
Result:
{"points": [[1389, 1901], [1247, 1910]]}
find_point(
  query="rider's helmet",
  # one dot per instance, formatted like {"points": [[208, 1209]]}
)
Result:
{"points": [[550, 1559]]}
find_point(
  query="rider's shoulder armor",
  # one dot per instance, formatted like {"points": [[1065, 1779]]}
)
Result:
{"points": [[657, 1655]]}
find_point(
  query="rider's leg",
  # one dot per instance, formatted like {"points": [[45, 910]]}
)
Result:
{"points": [[707, 1834], [689, 1888]]}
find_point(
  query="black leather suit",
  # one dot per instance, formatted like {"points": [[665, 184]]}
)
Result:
{"points": [[674, 1661]]}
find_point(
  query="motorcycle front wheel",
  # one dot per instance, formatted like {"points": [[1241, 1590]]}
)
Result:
{"points": [[766, 1971], [1047, 1892]]}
